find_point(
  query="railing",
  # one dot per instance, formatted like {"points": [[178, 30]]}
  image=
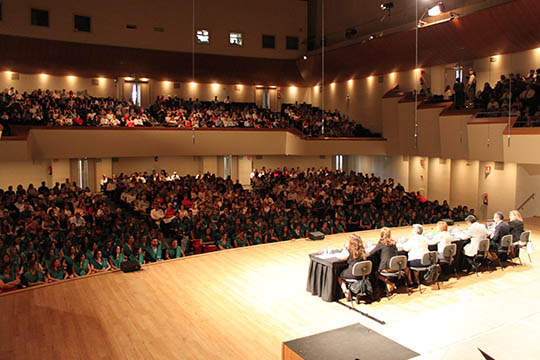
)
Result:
{"points": [[526, 201], [486, 114]]}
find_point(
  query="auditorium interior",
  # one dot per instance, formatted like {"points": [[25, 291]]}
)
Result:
{"points": [[286, 179]]}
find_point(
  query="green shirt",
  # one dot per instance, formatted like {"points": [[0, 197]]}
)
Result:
{"points": [[33, 278], [175, 253], [99, 266], [82, 269], [58, 275], [117, 261]]}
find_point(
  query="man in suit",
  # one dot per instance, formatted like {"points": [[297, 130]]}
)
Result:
{"points": [[501, 229]]}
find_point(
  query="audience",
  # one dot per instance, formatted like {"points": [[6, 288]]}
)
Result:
{"points": [[51, 234], [63, 108]]}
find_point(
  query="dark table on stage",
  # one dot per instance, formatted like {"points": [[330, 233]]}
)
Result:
{"points": [[323, 277]]}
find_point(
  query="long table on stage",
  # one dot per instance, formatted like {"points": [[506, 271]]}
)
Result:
{"points": [[324, 271], [323, 277]]}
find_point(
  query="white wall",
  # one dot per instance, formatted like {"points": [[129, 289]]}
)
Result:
{"points": [[464, 183], [528, 182], [439, 179], [274, 162], [183, 165], [29, 82], [500, 186], [24, 173]]}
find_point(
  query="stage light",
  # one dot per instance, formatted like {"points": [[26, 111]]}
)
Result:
{"points": [[436, 10], [387, 6]]}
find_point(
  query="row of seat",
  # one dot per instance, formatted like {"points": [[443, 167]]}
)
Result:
{"points": [[398, 264]]}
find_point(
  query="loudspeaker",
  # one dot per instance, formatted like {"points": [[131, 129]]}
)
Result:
{"points": [[448, 222], [316, 235], [130, 266]]}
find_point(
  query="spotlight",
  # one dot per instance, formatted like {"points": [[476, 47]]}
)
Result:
{"points": [[305, 57], [436, 10], [387, 6]]}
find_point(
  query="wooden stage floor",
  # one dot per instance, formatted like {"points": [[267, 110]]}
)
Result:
{"points": [[243, 303]]}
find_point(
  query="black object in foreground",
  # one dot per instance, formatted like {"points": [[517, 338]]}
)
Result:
{"points": [[350, 342], [130, 266]]}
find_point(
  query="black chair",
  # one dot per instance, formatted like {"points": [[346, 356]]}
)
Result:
{"points": [[363, 269], [523, 243], [429, 259], [397, 266], [448, 256], [482, 254], [505, 249]]}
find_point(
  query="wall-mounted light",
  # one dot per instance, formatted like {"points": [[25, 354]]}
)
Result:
{"points": [[436, 10], [143, 79], [128, 78], [192, 83], [387, 6], [166, 82], [304, 57]]}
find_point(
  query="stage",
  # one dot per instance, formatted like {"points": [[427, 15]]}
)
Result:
{"points": [[244, 303]]}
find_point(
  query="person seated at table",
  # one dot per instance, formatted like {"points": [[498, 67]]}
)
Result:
{"points": [[354, 252], [416, 247], [442, 239], [383, 252], [501, 229], [516, 229], [477, 232]]}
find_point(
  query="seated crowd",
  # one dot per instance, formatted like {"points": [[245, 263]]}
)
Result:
{"points": [[68, 108], [516, 93], [418, 245], [315, 122], [50, 234]]}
